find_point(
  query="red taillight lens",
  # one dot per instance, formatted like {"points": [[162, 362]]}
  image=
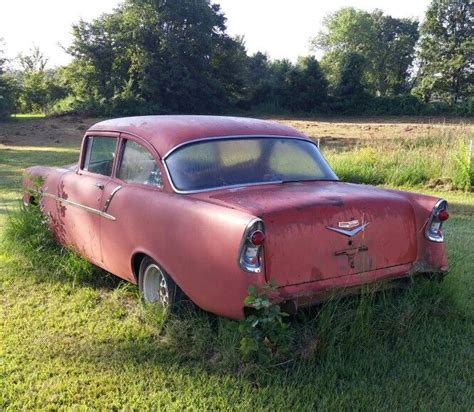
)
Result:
{"points": [[251, 253], [443, 215], [438, 215], [257, 238]]}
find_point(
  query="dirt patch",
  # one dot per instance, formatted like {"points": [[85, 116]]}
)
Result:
{"points": [[51, 132], [69, 131], [379, 128]]}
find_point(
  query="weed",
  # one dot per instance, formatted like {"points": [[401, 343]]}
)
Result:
{"points": [[264, 333]]}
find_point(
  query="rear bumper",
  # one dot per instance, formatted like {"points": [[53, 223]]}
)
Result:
{"points": [[311, 293]]}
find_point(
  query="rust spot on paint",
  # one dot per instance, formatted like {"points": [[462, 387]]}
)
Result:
{"points": [[335, 201], [315, 273]]}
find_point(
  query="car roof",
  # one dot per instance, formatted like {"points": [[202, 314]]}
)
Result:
{"points": [[167, 132]]}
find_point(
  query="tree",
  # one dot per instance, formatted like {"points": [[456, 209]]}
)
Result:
{"points": [[386, 44], [7, 87], [33, 96], [39, 87], [350, 91], [259, 81], [447, 52], [169, 56], [308, 86]]}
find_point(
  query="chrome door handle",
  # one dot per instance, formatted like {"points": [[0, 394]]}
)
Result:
{"points": [[100, 185]]}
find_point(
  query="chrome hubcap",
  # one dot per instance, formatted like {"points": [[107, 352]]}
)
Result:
{"points": [[155, 287]]}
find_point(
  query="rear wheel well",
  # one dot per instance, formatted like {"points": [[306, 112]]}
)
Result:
{"points": [[136, 261]]}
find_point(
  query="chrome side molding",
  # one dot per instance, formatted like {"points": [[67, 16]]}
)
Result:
{"points": [[79, 205]]}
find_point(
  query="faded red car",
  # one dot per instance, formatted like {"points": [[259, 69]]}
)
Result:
{"points": [[207, 206]]}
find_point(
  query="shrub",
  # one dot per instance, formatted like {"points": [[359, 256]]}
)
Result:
{"points": [[264, 334], [7, 99]]}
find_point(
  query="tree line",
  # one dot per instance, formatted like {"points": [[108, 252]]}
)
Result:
{"points": [[175, 56]]}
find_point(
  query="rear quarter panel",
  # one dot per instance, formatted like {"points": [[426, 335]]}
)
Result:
{"points": [[195, 242]]}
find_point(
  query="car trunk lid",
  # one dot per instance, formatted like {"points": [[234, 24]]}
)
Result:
{"points": [[323, 230]]}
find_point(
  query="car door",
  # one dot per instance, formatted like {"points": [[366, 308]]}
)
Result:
{"points": [[82, 195], [138, 178]]}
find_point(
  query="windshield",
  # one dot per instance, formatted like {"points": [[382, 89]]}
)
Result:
{"points": [[213, 164]]}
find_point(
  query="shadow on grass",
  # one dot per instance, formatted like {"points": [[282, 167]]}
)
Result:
{"points": [[374, 343], [417, 346], [456, 208]]}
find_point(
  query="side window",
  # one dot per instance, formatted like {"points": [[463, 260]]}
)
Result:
{"points": [[100, 154], [139, 166]]}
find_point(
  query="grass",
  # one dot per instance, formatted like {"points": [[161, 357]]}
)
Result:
{"points": [[437, 160], [27, 115], [72, 337]]}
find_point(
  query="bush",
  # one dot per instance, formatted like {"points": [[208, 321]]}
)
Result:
{"points": [[264, 334], [7, 96], [396, 105]]}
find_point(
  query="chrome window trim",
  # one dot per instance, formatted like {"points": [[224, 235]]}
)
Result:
{"points": [[437, 239], [79, 205], [109, 199], [245, 136], [205, 139]]}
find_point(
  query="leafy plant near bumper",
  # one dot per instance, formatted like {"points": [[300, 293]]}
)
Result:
{"points": [[264, 332]]}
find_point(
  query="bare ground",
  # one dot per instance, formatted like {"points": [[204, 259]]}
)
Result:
{"points": [[68, 131]]}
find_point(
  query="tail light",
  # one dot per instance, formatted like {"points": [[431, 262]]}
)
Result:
{"points": [[438, 216], [251, 251]]}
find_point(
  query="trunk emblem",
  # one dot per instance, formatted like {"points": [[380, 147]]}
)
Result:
{"points": [[348, 232], [348, 225]]}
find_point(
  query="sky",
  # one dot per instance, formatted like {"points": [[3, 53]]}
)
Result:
{"points": [[281, 28]]}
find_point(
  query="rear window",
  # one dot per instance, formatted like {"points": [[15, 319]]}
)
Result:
{"points": [[219, 163]]}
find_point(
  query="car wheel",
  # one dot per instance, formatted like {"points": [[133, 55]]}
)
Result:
{"points": [[156, 286]]}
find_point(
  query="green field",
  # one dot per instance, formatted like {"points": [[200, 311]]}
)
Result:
{"points": [[68, 342]]}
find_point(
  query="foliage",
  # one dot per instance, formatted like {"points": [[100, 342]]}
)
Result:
{"points": [[264, 334], [398, 105], [349, 91], [173, 55], [7, 88], [39, 88], [446, 52], [386, 45]]}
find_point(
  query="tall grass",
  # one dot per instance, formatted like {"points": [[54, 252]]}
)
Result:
{"points": [[436, 160], [28, 239], [337, 328]]}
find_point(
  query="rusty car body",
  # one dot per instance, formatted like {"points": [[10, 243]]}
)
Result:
{"points": [[207, 206]]}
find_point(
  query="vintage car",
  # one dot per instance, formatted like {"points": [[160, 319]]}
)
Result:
{"points": [[205, 206]]}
